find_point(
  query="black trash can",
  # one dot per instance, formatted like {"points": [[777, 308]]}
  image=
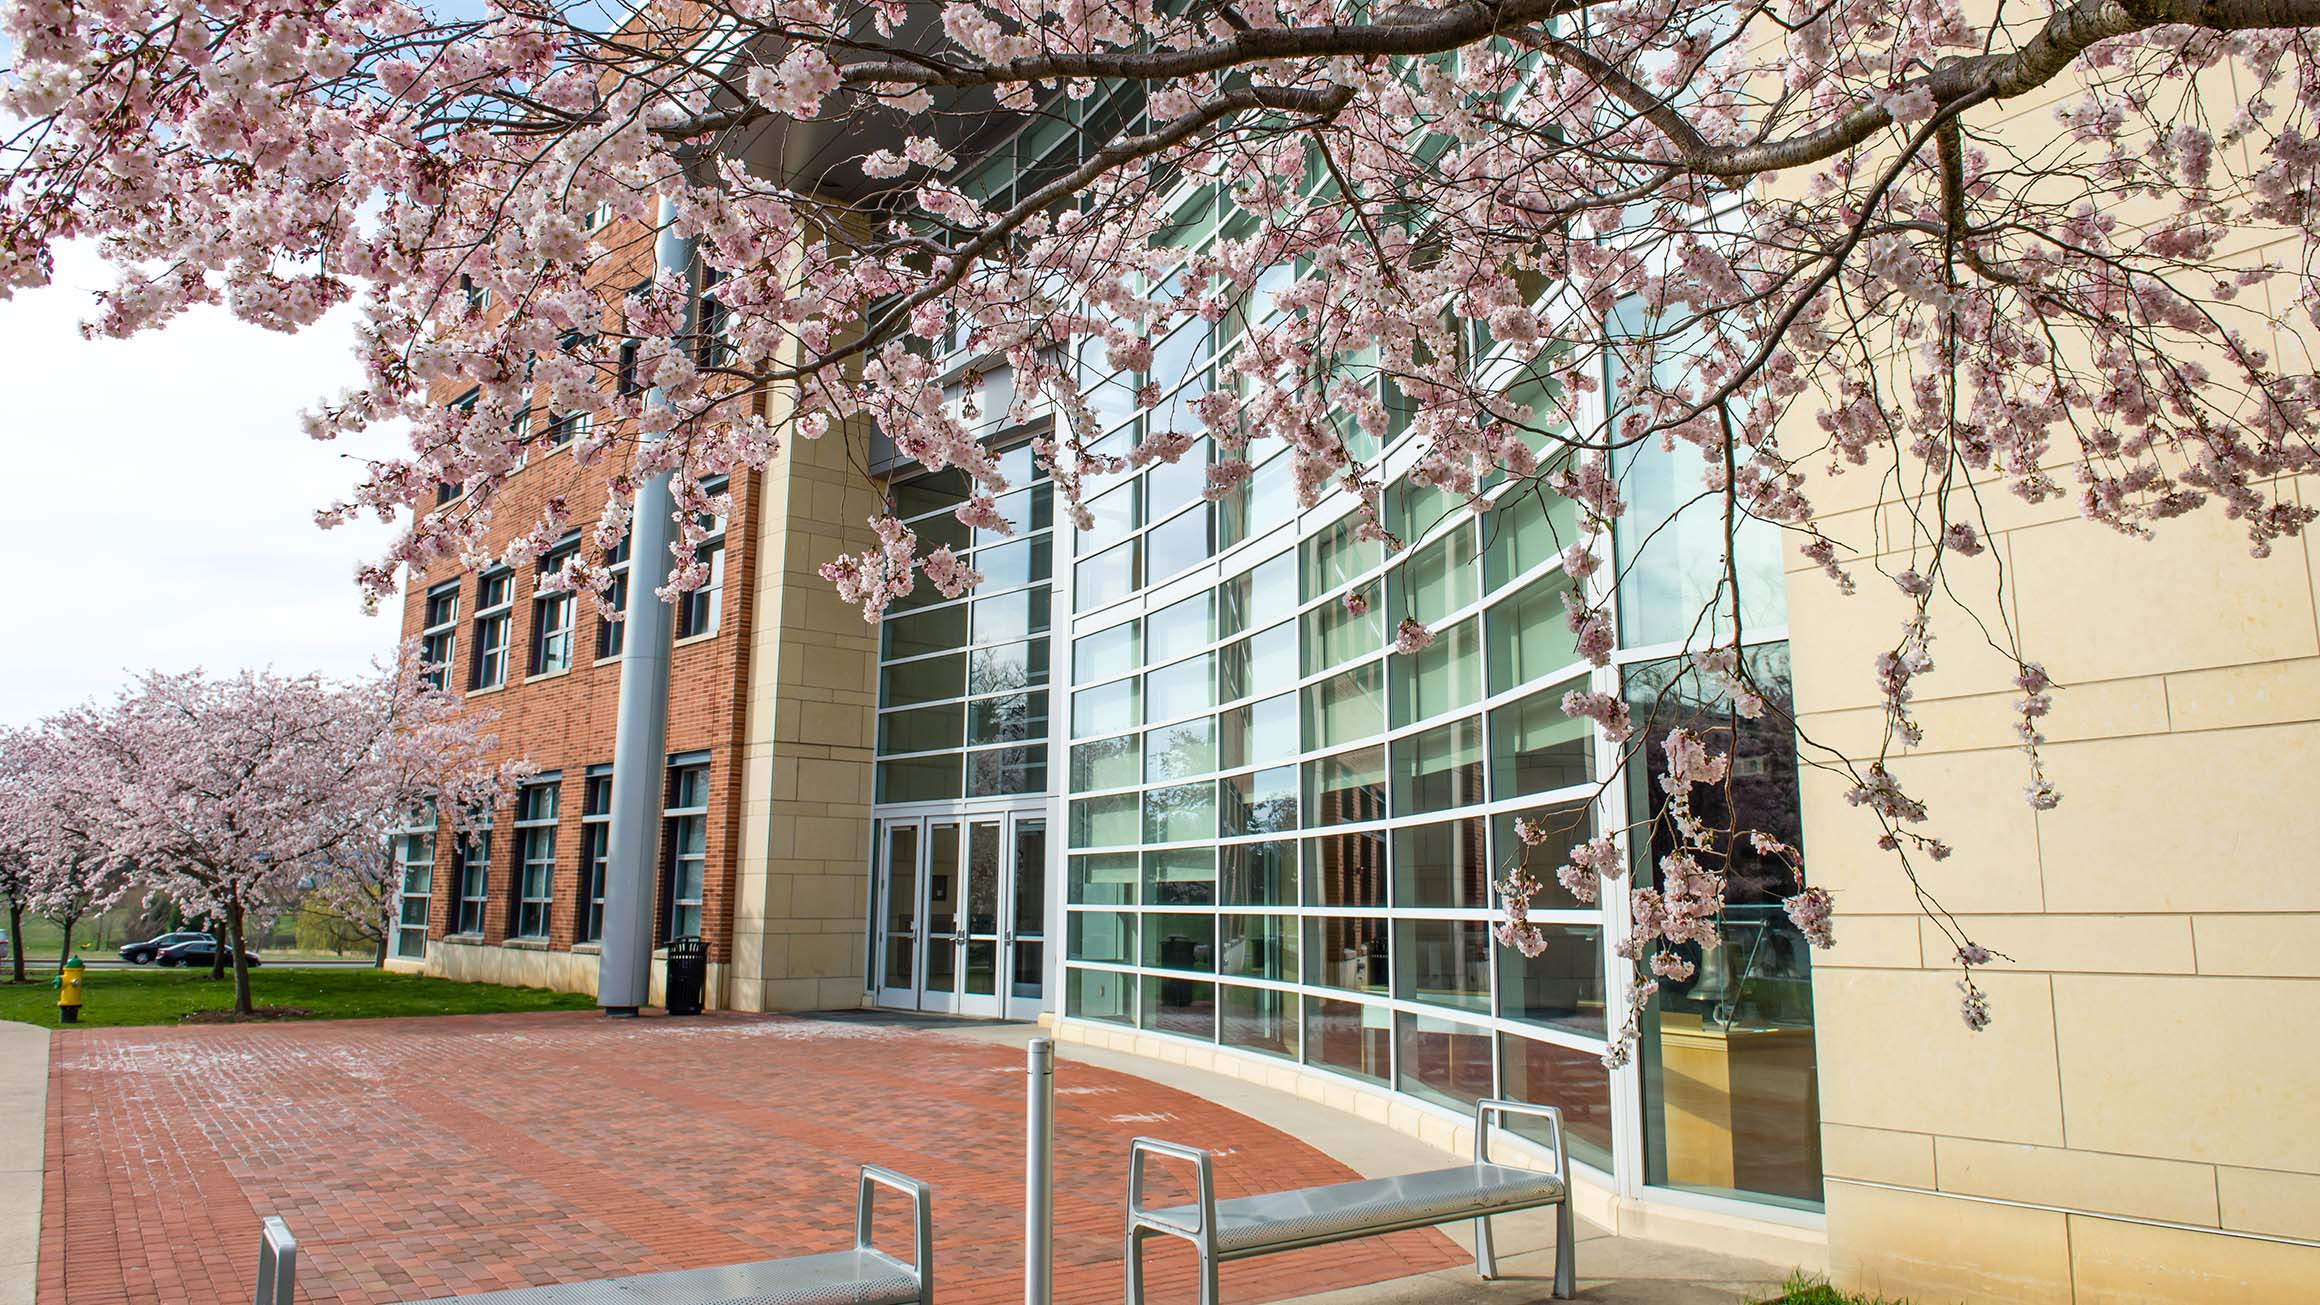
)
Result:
{"points": [[688, 975]]}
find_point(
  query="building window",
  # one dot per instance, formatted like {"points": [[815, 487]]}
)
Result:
{"points": [[686, 836], [493, 608], [716, 346], [569, 427], [535, 857], [439, 633], [552, 616], [625, 382], [414, 851], [471, 867], [610, 633], [699, 613], [478, 294], [595, 851]]}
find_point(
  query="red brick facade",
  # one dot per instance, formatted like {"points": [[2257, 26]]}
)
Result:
{"points": [[563, 722]]}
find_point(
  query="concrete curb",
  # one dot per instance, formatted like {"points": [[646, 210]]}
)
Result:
{"points": [[23, 1139]]}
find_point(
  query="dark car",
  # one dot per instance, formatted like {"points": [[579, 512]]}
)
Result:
{"points": [[143, 953], [201, 951]]}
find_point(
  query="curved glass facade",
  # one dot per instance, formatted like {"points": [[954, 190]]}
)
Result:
{"points": [[1280, 836]]}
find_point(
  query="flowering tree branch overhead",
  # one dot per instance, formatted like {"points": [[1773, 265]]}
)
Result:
{"points": [[1837, 257]]}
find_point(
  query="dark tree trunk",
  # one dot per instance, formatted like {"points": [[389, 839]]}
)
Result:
{"points": [[64, 949], [16, 939], [379, 954], [241, 963], [217, 955]]}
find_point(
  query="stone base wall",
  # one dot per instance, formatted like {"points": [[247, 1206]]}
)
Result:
{"points": [[524, 967]]}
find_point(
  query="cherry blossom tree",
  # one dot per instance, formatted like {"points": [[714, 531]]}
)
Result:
{"points": [[1793, 229], [15, 845], [51, 820], [231, 794]]}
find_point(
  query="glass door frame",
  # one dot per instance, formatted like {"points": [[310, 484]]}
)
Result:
{"points": [[927, 934]]}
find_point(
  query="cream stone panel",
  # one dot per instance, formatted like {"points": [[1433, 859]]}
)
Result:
{"points": [[1894, 1054], [2091, 944], [1836, 638], [1875, 942], [2203, 1069], [2097, 605], [1990, 721], [2258, 945], [1933, 1248], [2182, 822], [2115, 1261], [2269, 1201], [2083, 1180], [1877, 1155], [2263, 694], [1973, 801]]}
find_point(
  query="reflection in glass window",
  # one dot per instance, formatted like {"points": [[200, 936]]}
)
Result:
{"points": [[1177, 544], [1437, 580], [1570, 1079], [922, 730], [1350, 1037], [1007, 666], [1100, 995], [997, 771], [1105, 879], [931, 680], [1535, 747], [1264, 802], [1446, 675], [1439, 768], [1562, 986], [1346, 787], [1258, 947], [1444, 1061], [1108, 936], [1106, 763], [1185, 1007], [1259, 732], [1183, 876], [1106, 653], [1347, 952], [1105, 708], [1009, 565], [1566, 826], [1527, 527], [919, 779], [1336, 555], [940, 630], [1346, 869], [1445, 963], [1442, 866], [1346, 708], [1257, 874], [1179, 628], [1174, 815], [1264, 593], [1011, 616], [1009, 718], [1105, 821], [1176, 940], [1257, 663], [1748, 1003], [1175, 751], [1258, 1019], [1114, 513], [1335, 635], [1107, 577], [1177, 690], [1530, 635]]}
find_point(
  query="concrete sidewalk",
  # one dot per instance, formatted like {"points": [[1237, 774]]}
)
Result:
{"points": [[23, 1133], [1612, 1269]]}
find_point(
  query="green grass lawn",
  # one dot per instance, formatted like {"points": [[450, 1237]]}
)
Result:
{"points": [[118, 997]]}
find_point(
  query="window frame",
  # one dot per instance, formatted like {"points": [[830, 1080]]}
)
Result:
{"points": [[535, 853]]}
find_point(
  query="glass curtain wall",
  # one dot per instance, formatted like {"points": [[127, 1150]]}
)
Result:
{"points": [[1282, 833], [962, 683]]}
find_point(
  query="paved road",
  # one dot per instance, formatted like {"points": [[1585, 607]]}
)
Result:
{"points": [[47, 963]]}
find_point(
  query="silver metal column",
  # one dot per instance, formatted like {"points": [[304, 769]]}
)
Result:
{"points": [[1039, 1178], [640, 740]]}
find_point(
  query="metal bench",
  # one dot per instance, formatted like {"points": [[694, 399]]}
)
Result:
{"points": [[864, 1275], [1249, 1226]]}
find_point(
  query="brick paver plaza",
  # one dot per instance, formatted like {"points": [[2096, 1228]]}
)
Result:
{"points": [[419, 1158]]}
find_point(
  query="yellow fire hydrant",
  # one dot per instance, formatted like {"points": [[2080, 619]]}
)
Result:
{"points": [[68, 991]]}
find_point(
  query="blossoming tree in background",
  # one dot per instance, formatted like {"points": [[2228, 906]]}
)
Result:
{"points": [[1838, 261], [15, 844], [50, 818], [232, 795]]}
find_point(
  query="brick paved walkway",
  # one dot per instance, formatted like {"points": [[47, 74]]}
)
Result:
{"points": [[420, 1158]]}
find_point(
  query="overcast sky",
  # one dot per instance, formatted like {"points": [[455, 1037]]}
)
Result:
{"points": [[157, 501]]}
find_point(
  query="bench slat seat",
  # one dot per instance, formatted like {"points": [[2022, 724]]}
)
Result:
{"points": [[1250, 1225], [1244, 1226], [851, 1277]]}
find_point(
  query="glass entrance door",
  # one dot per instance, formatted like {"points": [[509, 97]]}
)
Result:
{"points": [[962, 914]]}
